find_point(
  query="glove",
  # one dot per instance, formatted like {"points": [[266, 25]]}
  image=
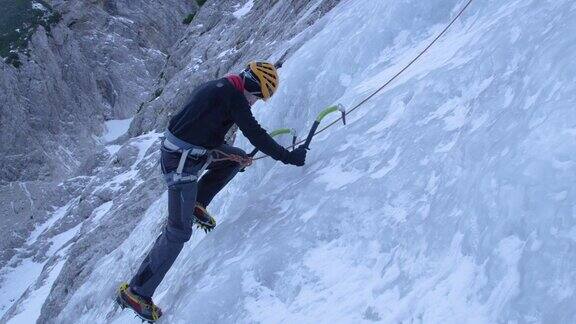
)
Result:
{"points": [[296, 157]]}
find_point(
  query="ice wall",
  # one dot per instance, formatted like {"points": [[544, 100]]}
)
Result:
{"points": [[448, 198]]}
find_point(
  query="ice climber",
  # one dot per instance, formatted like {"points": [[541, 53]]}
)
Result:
{"points": [[194, 142]]}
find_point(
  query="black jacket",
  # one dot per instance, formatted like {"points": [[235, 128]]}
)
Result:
{"points": [[211, 110]]}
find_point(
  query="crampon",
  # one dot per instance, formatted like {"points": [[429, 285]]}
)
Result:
{"points": [[203, 219], [143, 307]]}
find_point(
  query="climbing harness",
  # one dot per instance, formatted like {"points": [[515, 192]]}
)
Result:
{"points": [[313, 130], [186, 150], [174, 144]]}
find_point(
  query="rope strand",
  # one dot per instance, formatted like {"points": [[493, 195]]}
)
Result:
{"points": [[389, 81], [243, 161]]}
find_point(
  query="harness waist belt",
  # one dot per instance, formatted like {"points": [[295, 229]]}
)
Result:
{"points": [[172, 142], [186, 149]]}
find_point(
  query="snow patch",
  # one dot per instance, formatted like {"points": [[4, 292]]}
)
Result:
{"points": [[38, 6], [56, 216], [15, 281], [58, 241], [115, 128], [244, 9], [31, 308], [99, 212]]}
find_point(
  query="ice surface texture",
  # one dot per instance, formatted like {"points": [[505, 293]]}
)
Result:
{"points": [[449, 198]]}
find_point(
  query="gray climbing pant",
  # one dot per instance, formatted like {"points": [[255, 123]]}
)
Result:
{"points": [[182, 195]]}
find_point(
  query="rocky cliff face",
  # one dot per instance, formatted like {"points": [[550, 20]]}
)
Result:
{"points": [[222, 38], [68, 197], [97, 63], [72, 79]]}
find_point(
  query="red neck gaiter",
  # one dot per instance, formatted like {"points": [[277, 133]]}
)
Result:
{"points": [[236, 81]]}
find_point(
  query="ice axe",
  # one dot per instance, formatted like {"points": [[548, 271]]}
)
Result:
{"points": [[278, 132], [322, 115], [281, 60]]}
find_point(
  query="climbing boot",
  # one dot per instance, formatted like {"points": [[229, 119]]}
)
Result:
{"points": [[142, 306], [203, 219]]}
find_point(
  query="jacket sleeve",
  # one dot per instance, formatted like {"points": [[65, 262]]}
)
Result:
{"points": [[242, 116]]}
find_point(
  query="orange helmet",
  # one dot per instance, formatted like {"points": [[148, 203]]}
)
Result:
{"points": [[261, 79]]}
